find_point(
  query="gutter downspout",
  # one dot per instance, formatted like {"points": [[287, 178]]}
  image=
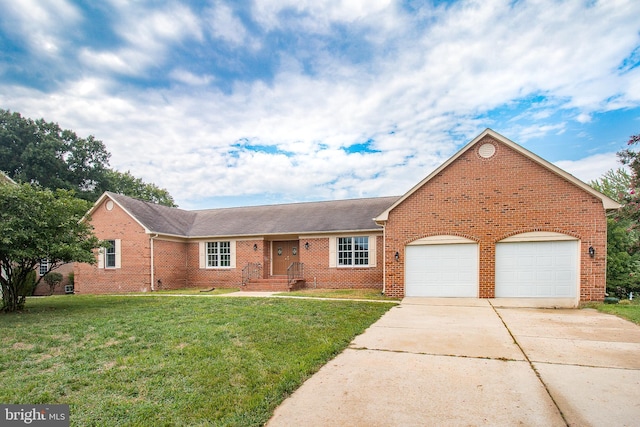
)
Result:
{"points": [[153, 280], [384, 257]]}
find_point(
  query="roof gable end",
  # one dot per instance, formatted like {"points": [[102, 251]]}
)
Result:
{"points": [[607, 202]]}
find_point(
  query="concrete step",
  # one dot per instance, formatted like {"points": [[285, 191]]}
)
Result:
{"points": [[273, 284]]}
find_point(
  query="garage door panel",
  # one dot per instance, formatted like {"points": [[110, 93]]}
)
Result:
{"points": [[537, 269], [442, 270]]}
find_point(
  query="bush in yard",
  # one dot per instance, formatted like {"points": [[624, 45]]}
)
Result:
{"points": [[53, 279]]}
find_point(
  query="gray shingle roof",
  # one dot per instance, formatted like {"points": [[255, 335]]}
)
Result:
{"points": [[294, 218], [157, 218]]}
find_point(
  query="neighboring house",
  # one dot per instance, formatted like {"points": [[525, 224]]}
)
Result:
{"points": [[65, 287], [494, 221]]}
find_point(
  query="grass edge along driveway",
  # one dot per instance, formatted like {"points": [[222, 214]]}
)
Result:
{"points": [[171, 361]]}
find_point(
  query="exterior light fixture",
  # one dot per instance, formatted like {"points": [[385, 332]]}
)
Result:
{"points": [[592, 252], [306, 246], [255, 246], [397, 256]]}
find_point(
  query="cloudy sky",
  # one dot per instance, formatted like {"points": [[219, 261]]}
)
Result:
{"points": [[231, 103]]}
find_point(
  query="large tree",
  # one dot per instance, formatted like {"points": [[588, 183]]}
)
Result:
{"points": [[40, 152], [36, 224]]}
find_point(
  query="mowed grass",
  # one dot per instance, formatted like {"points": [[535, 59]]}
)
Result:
{"points": [[629, 310], [190, 291], [162, 361], [372, 294]]}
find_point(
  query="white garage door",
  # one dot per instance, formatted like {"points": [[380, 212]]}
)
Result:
{"points": [[442, 270], [537, 269]]}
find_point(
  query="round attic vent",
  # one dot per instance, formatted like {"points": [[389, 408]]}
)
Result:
{"points": [[109, 205], [487, 150]]}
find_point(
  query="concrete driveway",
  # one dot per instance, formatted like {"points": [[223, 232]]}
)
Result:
{"points": [[464, 362]]}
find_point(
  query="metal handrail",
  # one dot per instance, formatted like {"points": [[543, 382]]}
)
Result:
{"points": [[295, 271], [251, 271]]}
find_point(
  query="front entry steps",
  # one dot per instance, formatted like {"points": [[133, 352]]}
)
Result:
{"points": [[273, 284]]}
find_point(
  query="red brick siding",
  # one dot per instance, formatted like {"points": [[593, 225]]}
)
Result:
{"points": [[318, 273], [487, 200], [170, 264], [135, 272], [224, 277]]}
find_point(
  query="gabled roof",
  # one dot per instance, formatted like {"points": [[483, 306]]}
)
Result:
{"points": [[155, 218], [298, 218], [355, 215], [606, 201]]}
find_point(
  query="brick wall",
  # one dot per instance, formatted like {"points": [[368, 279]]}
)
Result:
{"points": [[170, 264], [226, 277], [135, 272], [318, 273], [487, 200]]}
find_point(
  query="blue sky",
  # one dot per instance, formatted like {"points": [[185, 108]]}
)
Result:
{"points": [[229, 103]]}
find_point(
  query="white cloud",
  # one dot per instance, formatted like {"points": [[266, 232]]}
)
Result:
{"points": [[590, 168], [223, 24], [432, 78], [316, 15], [42, 25], [190, 78], [148, 36]]}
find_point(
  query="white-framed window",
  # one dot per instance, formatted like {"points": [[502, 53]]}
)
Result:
{"points": [[218, 254], [44, 266], [353, 251], [110, 255]]}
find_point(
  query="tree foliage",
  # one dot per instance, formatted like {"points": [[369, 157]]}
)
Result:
{"points": [[37, 224], [614, 183], [623, 235], [42, 153]]}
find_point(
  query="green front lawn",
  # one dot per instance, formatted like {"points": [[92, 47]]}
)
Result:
{"points": [[629, 310], [171, 361], [190, 291], [372, 294]]}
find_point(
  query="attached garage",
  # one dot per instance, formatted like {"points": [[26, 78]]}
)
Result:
{"points": [[537, 265], [442, 266]]}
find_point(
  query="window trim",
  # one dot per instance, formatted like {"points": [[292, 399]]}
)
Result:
{"points": [[204, 255], [102, 255], [218, 254], [334, 253]]}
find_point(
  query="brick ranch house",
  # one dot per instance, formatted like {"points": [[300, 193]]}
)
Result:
{"points": [[494, 221]]}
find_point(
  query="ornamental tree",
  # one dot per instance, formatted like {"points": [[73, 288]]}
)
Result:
{"points": [[623, 233], [37, 224]]}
